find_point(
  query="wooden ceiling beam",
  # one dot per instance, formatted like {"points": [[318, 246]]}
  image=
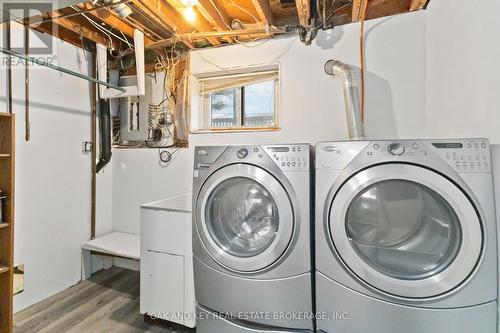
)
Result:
{"points": [[264, 12], [199, 23], [60, 32], [77, 25], [164, 15], [114, 21], [303, 11], [356, 10], [417, 4], [216, 16]]}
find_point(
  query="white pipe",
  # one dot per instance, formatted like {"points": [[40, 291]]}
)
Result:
{"points": [[349, 75]]}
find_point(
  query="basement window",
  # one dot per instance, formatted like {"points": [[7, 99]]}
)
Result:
{"points": [[243, 101]]}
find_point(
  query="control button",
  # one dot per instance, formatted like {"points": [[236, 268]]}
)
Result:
{"points": [[242, 153], [471, 164], [283, 164], [485, 164], [414, 146], [478, 164], [469, 145], [288, 164], [256, 149], [293, 164], [369, 153], [299, 149], [447, 156], [483, 145], [396, 149], [293, 149], [260, 155], [376, 146], [476, 145], [464, 164], [457, 164]]}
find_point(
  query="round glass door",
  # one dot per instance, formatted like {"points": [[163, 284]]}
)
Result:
{"points": [[405, 230], [242, 217]]}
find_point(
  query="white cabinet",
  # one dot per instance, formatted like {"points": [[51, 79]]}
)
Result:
{"points": [[167, 284]]}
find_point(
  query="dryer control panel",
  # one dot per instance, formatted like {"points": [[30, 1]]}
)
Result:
{"points": [[465, 155], [290, 157]]}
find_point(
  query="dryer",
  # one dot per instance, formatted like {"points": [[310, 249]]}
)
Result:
{"points": [[251, 238], [405, 237]]}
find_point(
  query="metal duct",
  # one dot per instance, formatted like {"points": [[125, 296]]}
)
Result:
{"points": [[104, 135], [349, 75]]}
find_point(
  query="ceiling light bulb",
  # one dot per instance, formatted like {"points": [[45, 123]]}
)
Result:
{"points": [[189, 3], [189, 14]]}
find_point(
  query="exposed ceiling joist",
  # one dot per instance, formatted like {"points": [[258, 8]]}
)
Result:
{"points": [[199, 24], [216, 16], [417, 4], [303, 11], [164, 15], [78, 26], [356, 10], [113, 20], [264, 12]]}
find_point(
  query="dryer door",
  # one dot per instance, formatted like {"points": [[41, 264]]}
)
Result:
{"points": [[244, 217], [405, 230]]}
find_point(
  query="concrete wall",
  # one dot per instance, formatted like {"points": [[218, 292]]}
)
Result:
{"points": [[312, 106]]}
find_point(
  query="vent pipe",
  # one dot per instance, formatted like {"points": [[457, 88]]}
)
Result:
{"points": [[349, 76], [104, 135]]}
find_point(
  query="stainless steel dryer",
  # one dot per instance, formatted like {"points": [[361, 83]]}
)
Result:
{"points": [[405, 237], [251, 238]]}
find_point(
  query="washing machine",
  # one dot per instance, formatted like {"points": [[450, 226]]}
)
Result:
{"points": [[405, 237], [251, 238]]}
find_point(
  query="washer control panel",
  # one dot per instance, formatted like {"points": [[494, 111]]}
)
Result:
{"points": [[290, 157], [469, 155]]}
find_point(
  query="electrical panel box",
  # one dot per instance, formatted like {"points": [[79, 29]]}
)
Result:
{"points": [[134, 114]]}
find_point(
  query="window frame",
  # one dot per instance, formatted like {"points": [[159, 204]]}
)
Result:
{"points": [[205, 111]]}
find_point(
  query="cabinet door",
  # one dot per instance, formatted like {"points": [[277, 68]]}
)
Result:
{"points": [[163, 231], [162, 286]]}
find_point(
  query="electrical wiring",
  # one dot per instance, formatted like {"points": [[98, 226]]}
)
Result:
{"points": [[104, 30]]}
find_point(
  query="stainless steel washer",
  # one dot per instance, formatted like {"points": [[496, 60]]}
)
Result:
{"points": [[251, 238], [405, 236]]}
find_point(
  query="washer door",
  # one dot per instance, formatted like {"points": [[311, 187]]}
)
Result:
{"points": [[405, 230], [244, 217]]}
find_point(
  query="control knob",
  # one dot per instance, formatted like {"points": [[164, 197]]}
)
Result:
{"points": [[396, 149], [242, 153]]}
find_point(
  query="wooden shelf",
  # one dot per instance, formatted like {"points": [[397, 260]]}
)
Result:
{"points": [[7, 158]]}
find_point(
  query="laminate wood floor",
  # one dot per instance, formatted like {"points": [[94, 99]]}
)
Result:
{"points": [[106, 303]]}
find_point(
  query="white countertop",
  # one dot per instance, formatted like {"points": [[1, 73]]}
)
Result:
{"points": [[180, 203]]}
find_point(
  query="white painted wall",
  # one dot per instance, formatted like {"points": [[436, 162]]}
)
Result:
{"points": [[462, 68], [312, 106], [52, 216]]}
